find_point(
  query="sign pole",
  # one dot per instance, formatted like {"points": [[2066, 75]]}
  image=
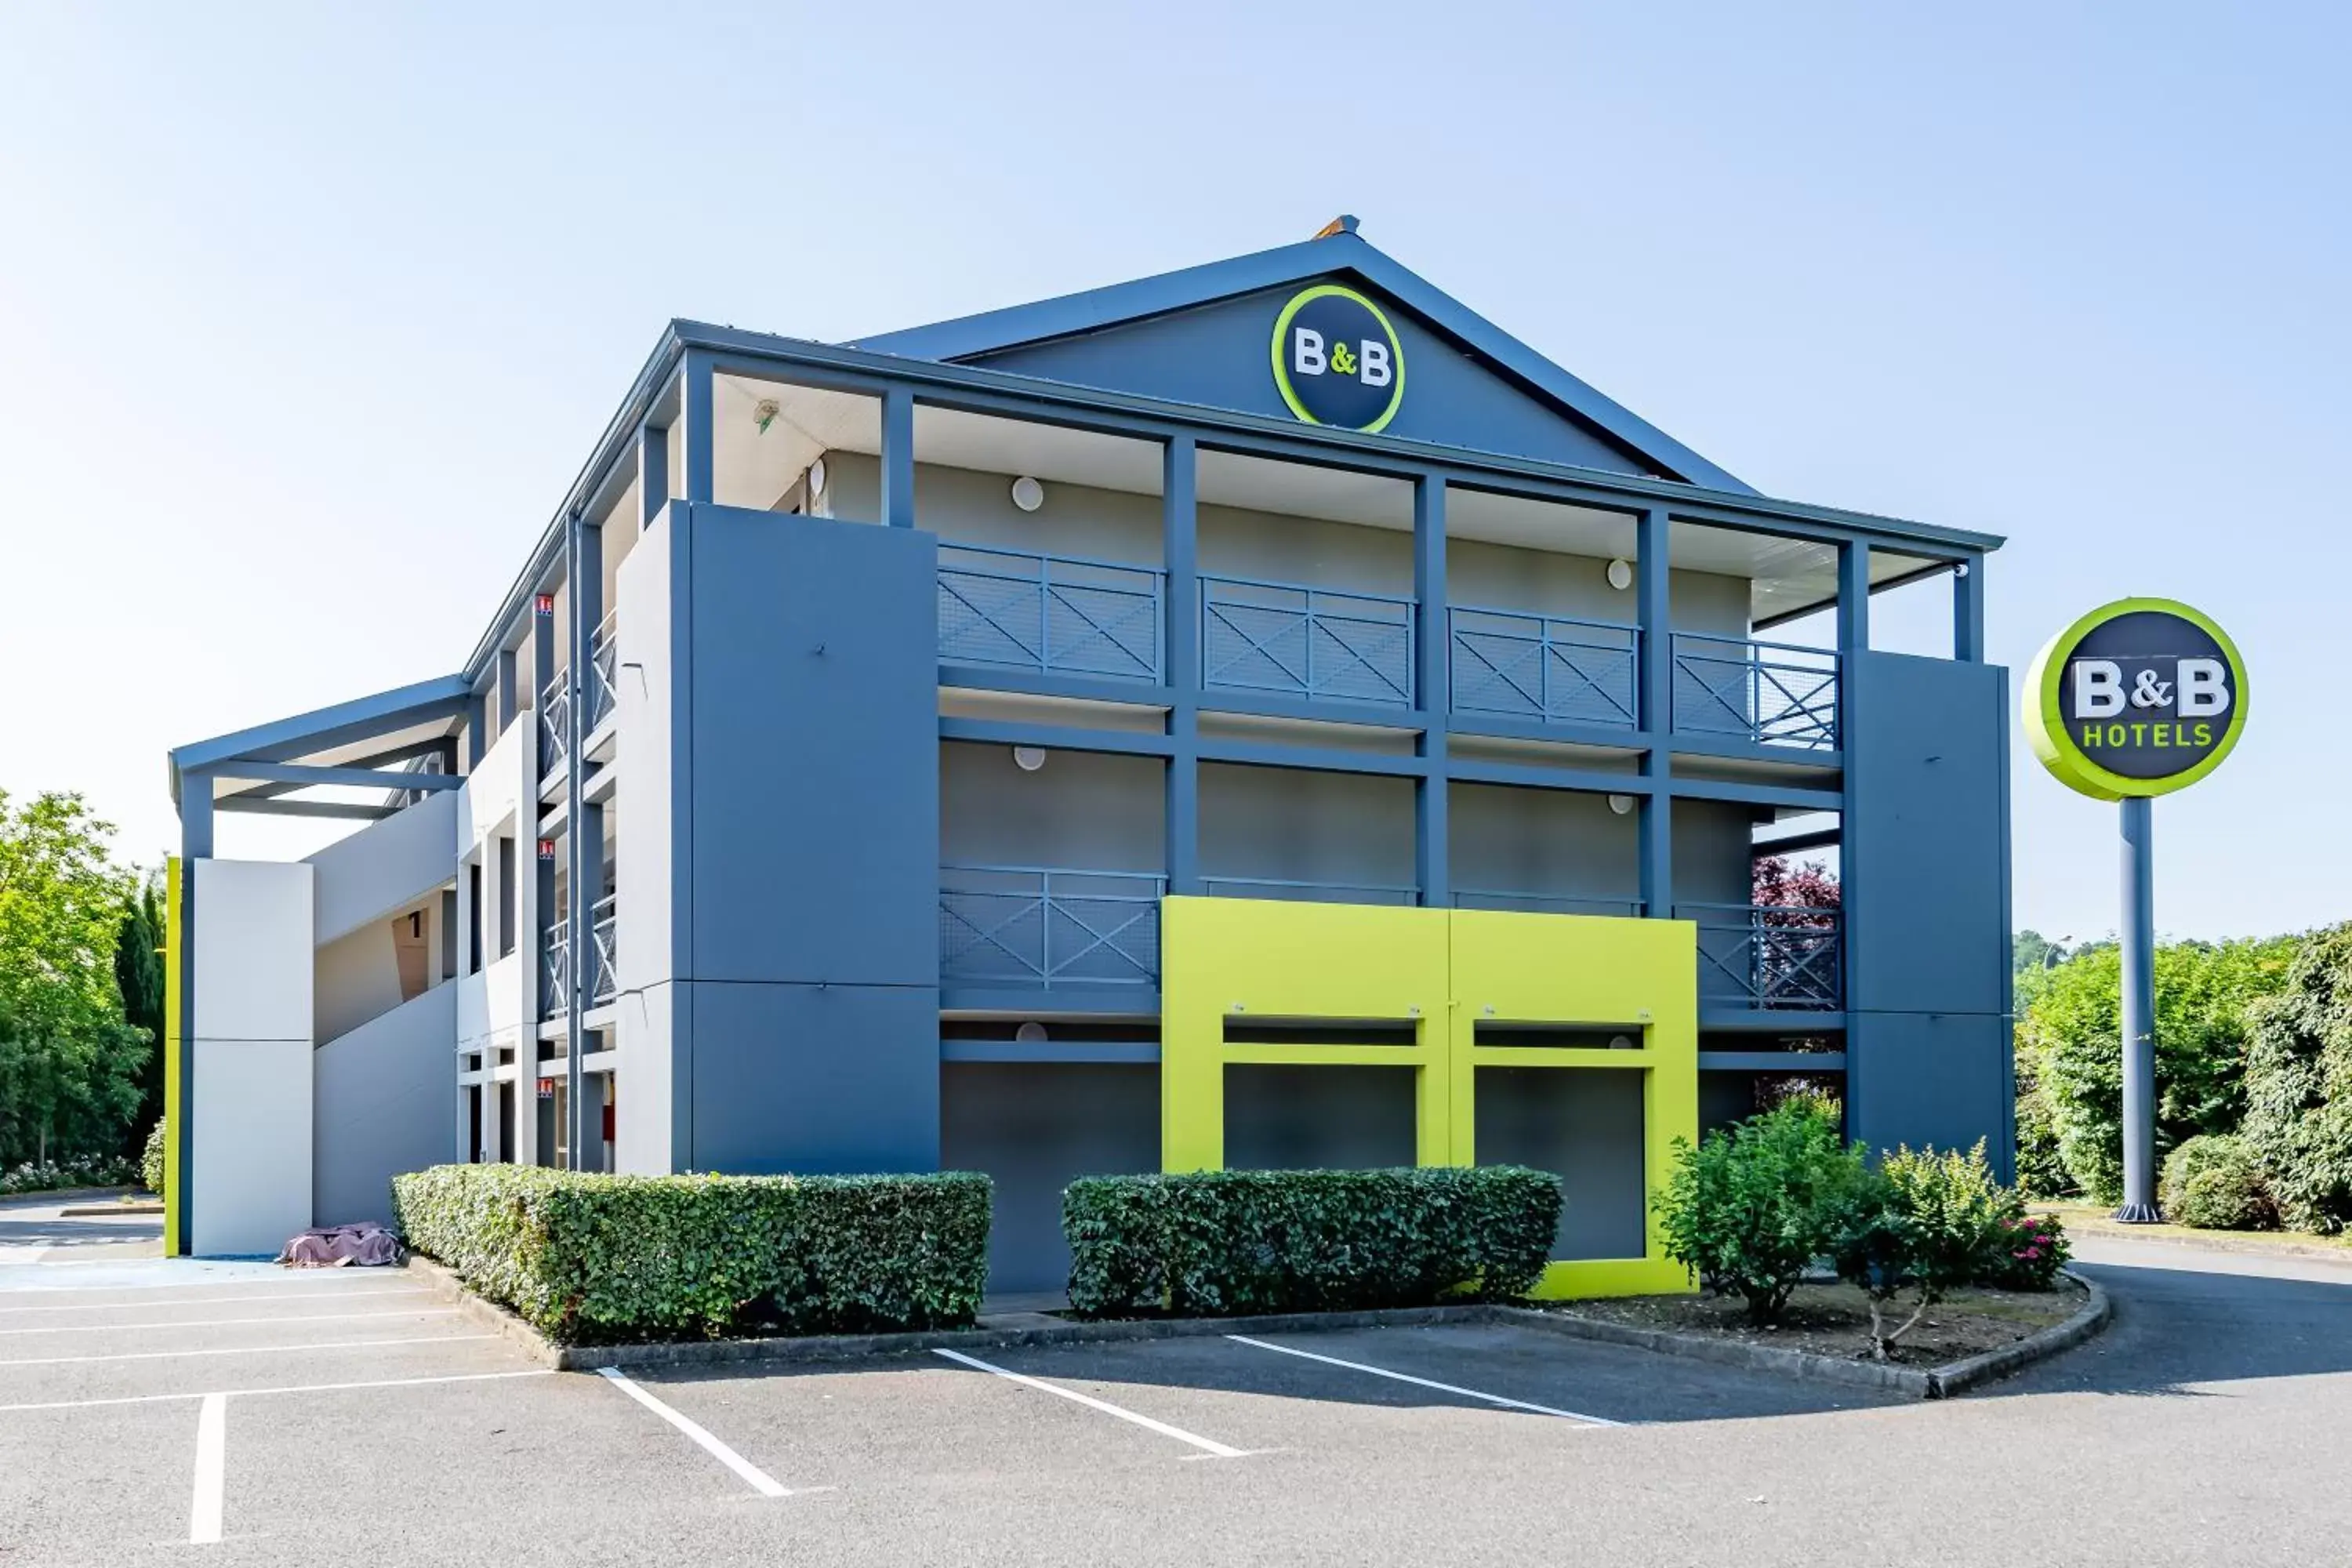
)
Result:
{"points": [[2139, 1013], [2135, 699]]}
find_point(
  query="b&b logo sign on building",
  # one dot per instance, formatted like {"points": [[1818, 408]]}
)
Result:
{"points": [[1337, 360], [2138, 698]]}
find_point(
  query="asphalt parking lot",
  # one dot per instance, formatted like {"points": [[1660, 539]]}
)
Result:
{"points": [[165, 1412]]}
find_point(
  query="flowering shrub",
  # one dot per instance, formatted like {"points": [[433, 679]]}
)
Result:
{"points": [[85, 1171], [2035, 1250]]}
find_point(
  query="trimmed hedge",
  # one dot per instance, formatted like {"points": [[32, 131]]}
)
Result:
{"points": [[1225, 1243], [597, 1259]]}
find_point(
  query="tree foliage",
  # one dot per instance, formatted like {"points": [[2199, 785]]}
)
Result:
{"points": [[139, 981], [69, 1065], [2299, 1086], [2069, 1050], [1781, 882]]}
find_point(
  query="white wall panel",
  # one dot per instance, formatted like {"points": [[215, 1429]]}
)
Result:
{"points": [[253, 961], [252, 1113]]}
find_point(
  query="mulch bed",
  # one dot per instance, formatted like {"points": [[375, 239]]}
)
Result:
{"points": [[1834, 1320]]}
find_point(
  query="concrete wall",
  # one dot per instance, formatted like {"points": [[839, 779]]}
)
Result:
{"points": [[1083, 809], [386, 865], [358, 977], [383, 1101], [1294, 824], [1551, 842], [250, 1021], [1585, 1125], [1033, 1127], [1714, 852]]}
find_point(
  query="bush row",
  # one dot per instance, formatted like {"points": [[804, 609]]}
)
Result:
{"points": [[595, 1259], [56, 1175], [1216, 1243]]}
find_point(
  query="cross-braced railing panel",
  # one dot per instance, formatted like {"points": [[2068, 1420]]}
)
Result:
{"points": [[604, 938], [603, 672], [554, 724], [555, 971], [1289, 890], [1050, 614], [1775, 694], [1545, 668], [1305, 642], [1777, 956], [1545, 903], [1023, 926]]}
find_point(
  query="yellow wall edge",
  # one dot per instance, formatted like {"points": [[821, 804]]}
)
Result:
{"points": [[174, 1093]]}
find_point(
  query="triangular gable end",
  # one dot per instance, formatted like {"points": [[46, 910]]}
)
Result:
{"points": [[1207, 336]]}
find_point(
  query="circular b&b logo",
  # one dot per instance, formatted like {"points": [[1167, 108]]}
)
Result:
{"points": [[2138, 698], [1337, 360]]}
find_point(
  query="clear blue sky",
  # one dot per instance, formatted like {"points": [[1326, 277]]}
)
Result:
{"points": [[311, 313]]}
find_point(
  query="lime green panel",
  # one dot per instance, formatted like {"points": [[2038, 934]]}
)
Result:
{"points": [[175, 941]]}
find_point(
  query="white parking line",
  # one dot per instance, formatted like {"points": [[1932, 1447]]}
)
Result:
{"points": [[206, 1300], [761, 1481], [245, 1350], [1165, 1430], [212, 1453], [1426, 1382], [281, 1388], [236, 1322]]}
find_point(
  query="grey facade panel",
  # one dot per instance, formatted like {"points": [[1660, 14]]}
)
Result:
{"points": [[1931, 1079], [1318, 1118], [1929, 836], [1035, 1127], [815, 827], [1584, 1124], [383, 1101], [1219, 355], [815, 1079]]}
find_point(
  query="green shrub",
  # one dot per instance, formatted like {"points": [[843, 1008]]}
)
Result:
{"points": [[1216, 1243], [64, 1175], [2070, 1049], [150, 1159], [2299, 1086], [598, 1260], [1749, 1210], [1958, 1210], [2215, 1183]]}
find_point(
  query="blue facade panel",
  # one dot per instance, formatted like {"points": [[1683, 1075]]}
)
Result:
{"points": [[1932, 1079], [813, 827], [1929, 837], [1221, 355], [816, 1079]]}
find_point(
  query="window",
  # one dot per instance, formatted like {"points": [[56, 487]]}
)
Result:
{"points": [[506, 895]]}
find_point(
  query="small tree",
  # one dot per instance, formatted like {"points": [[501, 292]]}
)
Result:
{"points": [[139, 981], [1927, 1223], [1749, 1210]]}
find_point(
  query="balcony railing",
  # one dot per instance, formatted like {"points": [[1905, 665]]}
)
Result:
{"points": [[1305, 642], [1544, 903], [554, 724], [556, 975], [1293, 892], [605, 936], [1777, 956], [1050, 614], [1048, 927], [1545, 668], [1774, 694], [603, 674]]}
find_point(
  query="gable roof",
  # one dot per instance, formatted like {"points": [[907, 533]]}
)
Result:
{"points": [[1338, 250]]}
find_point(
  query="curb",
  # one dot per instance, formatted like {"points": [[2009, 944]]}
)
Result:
{"points": [[1918, 1383], [811, 1348]]}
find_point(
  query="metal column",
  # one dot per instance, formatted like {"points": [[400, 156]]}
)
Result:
{"points": [[2138, 1015]]}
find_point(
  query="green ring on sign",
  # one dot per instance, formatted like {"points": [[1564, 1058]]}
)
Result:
{"points": [[2045, 724], [1282, 371]]}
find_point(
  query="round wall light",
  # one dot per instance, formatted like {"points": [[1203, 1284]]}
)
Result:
{"points": [[1623, 1043], [1030, 1033], [1028, 759], [1028, 494], [1622, 804], [817, 478], [1621, 574]]}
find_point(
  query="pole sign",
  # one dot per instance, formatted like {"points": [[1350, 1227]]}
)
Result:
{"points": [[1337, 360], [2141, 697]]}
